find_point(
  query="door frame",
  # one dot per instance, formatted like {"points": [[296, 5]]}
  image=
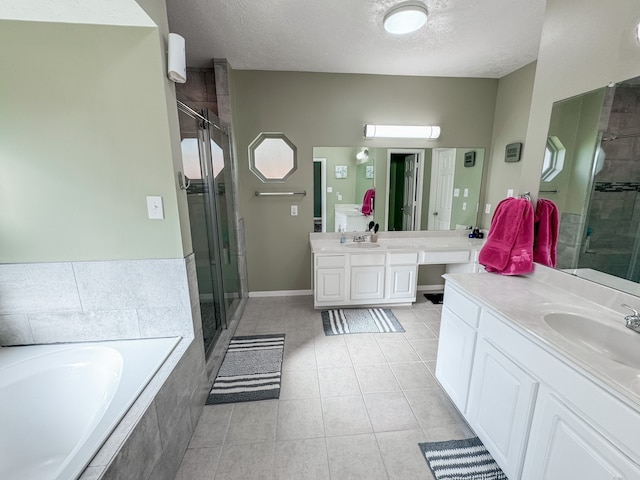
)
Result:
{"points": [[419, 171], [323, 186]]}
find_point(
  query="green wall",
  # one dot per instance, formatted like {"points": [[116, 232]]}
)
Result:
{"points": [[85, 136], [321, 109]]}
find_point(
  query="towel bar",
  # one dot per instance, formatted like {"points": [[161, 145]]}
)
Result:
{"points": [[275, 194]]}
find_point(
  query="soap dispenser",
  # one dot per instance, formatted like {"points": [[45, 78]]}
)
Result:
{"points": [[343, 238]]}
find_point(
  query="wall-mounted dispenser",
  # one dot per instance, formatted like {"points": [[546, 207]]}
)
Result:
{"points": [[177, 59]]}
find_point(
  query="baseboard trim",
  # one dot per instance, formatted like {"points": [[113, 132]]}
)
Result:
{"points": [[431, 288], [280, 293]]}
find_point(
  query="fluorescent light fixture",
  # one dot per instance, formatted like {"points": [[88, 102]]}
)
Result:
{"points": [[401, 131], [405, 18]]}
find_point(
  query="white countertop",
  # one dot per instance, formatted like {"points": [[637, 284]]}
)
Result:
{"points": [[524, 300], [397, 242]]}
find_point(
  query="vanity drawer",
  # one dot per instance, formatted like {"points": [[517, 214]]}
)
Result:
{"points": [[330, 261], [466, 309], [454, 256], [367, 259], [403, 258]]}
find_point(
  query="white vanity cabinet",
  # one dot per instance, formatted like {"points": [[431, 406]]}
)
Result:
{"points": [[401, 278], [538, 414], [563, 445], [330, 278], [456, 346], [367, 276], [500, 405]]}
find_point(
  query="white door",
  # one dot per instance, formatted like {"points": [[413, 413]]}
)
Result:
{"points": [[441, 197]]}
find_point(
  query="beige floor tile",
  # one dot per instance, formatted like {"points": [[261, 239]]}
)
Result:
{"points": [[412, 376], [389, 411], [252, 422], [301, 459], [246, 462], [338, 381], [449, 432], [332, 356], [366, 353], [427, 350], [402, 455], [212, 426], [376, 378], [399, 351], [299, 419], [417, 331], [345, 415], [299, 384], [298, 357], [432, 408], [199, 463], [355, 457]]}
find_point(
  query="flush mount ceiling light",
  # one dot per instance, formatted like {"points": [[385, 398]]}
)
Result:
{"points": [[401, 131], [638, 33], [405, 18]]}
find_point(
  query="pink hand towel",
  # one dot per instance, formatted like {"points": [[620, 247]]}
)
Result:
{"points": [[367, 202], [546, 233], [509, 246]]}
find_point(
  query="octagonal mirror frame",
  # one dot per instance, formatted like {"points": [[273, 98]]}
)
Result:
{"points": [[280, 161]]}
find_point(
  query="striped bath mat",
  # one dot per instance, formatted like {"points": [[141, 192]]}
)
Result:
{"points": [[250, 370], [360, 320], [461, 460]]}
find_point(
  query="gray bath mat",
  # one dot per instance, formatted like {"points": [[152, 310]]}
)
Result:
{"points": [[360, 320], [461, 460], [250, 370]]}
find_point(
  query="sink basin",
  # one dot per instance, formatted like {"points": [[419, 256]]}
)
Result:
{"points": [[618, 344], [364, 245]]}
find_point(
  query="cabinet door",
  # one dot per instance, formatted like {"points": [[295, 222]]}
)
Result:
{"points": [[402, 281], [563, 445], [456, 344], [500, 406], [330, 285], [367, 283]]}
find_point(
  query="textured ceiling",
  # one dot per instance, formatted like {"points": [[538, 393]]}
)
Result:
{"points": [[462, 38]]}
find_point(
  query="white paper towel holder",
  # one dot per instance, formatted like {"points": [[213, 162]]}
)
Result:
{"points": [[176, 59]]}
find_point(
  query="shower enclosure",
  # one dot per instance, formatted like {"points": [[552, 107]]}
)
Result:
{"points": [[207, 178]]}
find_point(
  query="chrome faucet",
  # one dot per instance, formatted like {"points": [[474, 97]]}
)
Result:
{"points": [[633, 321], [360, 238]]}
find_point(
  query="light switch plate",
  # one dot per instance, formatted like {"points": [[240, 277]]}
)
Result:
{"points": [[329, 189], [510, 192], [466, 192], [294, 210], [487, 208], [456, 192], [339, 197], [155, 210]]}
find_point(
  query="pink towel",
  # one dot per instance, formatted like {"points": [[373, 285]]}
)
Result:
{"points": [[367, 201], [546, 233], [509, 246]]}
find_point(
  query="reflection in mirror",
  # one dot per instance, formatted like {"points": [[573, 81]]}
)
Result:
{"points": [[342, 178], [415, 189], [272, 157], [596, 186]]}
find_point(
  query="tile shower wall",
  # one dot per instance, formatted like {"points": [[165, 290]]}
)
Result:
{"points": [[102, 300], [614, 211], [569, 244]]}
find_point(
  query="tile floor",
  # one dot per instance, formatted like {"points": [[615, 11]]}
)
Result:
{"points": [[350, 407]]}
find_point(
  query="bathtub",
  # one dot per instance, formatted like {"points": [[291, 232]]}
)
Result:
{"points": [[59, 403]]}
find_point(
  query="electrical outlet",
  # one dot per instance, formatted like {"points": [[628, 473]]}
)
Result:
{"points": [[464, 205], [456, 192], [466, 192], [487, 208], [294, 210], [510, 192], [339, 197], [329, 189]]}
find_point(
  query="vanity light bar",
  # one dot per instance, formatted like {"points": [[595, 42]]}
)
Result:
{"points": [[401, 131]]}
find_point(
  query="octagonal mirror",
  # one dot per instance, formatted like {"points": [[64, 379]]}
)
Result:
{"points": [[272, 157]]}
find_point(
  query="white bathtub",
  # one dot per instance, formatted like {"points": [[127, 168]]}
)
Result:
{"points": [[59, 403]]}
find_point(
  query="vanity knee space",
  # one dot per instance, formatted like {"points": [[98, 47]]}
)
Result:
{"points": [[521, 396]]}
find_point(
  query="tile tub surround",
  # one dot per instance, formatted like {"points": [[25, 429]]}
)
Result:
{"points": [[101, 300], [351, 406], [152, 437]]}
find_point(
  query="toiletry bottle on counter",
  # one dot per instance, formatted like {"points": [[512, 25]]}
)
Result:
{"points": [[343, 238]]}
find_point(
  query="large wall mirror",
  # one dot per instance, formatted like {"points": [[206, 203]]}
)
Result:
{"points": [[593, 148], [412, 188]]}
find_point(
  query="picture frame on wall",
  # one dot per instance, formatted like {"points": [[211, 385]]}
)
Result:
{"points": [[341, 171], [368, 172]]}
